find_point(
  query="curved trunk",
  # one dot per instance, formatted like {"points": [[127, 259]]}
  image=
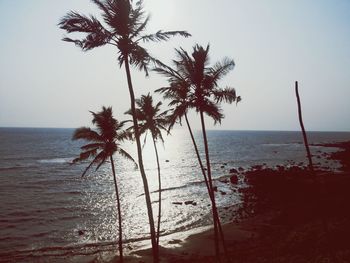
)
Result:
{"points": [[159, 191], [210, 183], [217, 218], [311, 167], [140, 161], [120, 242]]}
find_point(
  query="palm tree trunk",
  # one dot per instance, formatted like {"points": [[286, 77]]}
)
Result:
{"points": [[311, 167], [120, 242], [197, 153], [140, 161], [159, 191], [217, 218], [217, 249]]}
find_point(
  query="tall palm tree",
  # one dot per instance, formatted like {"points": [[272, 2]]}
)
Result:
{"points": [[103, 143], [124, 24], [193, 84], [151, 120]]}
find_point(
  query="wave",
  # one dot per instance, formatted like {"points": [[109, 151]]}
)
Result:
{"points": [[281, 144], [56, 160]]}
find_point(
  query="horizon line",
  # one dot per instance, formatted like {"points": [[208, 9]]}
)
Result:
{"points": [[246, 130]]}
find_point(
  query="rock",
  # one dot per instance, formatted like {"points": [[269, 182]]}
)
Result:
{"points": [[224, 180], [223, 193], [166, 161], [225, 163], [177, 203], [257, 167], [233, 171], [222, 166], [215, 188], [81, 232], [234, 179], [280, 168], [240, 169]]}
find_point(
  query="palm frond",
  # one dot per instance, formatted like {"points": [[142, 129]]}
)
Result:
{"points": [[227, 94], [139, 58], [123, 153], [91, 146], [96, 36], [163, 36], [97, 159], [213, 111], [220, 69], [87, 134], [85, 155]]}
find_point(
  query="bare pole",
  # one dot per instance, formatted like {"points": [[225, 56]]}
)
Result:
{"points": [[303, 128]]}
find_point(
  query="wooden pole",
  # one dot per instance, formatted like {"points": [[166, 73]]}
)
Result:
{"points": [[303, 128]]}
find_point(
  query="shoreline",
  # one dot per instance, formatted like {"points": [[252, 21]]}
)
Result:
{"points": [[246, 224], [269, 220]]}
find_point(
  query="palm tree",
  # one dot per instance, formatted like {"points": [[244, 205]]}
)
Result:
{"points": [[103, 143], [124, 24], [151, 120], [195, 85]]}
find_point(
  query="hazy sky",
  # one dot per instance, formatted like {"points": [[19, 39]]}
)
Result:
{"points": [[45, 82]]}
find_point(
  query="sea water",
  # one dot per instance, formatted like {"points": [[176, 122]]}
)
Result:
{"points": [[48, 212]]}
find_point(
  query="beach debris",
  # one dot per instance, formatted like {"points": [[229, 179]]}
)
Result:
{"points": [[241, 169], [81, 232], [177, 203], [190, 203], [223, 193], [175, 241], [222, 166], [215, 188], [234, 179]]}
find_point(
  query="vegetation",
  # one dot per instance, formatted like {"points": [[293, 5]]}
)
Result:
{"points": [[194, 85], [151, 120], [124, 24], [103, 144]]}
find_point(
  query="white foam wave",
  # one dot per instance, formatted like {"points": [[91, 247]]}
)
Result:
{"points": [[56, 160]]}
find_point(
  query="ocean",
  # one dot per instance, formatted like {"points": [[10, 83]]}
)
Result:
{"points": [[49, 213]]}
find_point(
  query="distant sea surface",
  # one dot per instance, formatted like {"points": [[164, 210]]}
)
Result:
{"points": [[49, 213]]}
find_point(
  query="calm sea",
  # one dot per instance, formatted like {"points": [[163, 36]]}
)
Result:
{"points": [[48, 213]]}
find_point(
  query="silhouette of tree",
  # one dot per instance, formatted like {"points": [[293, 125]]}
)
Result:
{"points": [[151, 120], [103, 143], [195, 85], [124, 24]]}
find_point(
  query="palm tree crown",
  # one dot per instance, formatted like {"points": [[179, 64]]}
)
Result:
{"points": [[124, 24], [149, 117], [193, 84], [104, 141]]}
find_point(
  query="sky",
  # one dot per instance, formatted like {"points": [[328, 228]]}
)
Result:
{"points": [[45, 82]]}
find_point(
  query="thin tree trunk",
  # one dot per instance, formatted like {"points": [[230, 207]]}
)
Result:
{"points": [[303, 128], [120, 242], [323, 185], [210, 192], [159, 191], [140, 161], [217, 249]]}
